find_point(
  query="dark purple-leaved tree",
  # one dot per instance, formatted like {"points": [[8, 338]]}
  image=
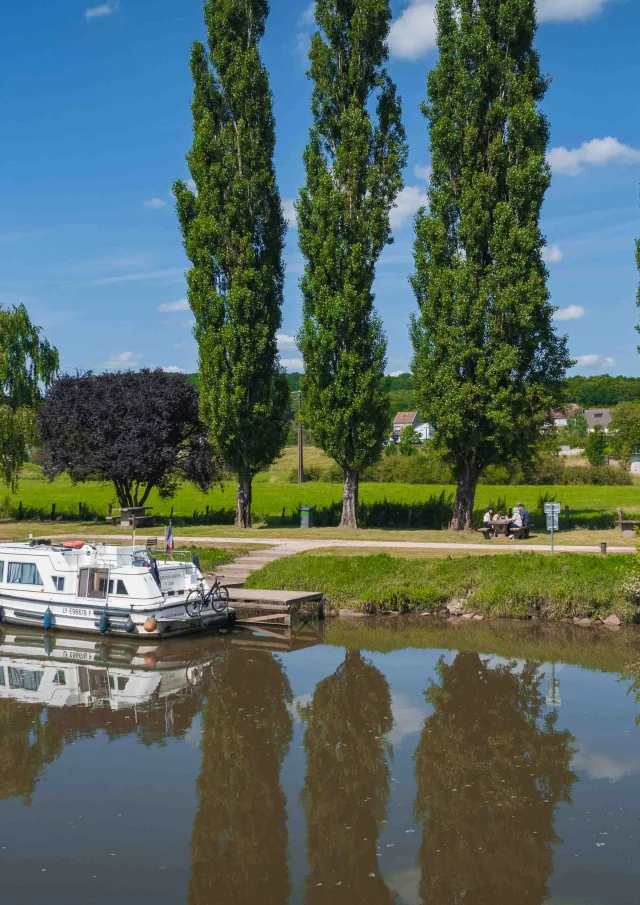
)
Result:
{"points": [[139, 430]]}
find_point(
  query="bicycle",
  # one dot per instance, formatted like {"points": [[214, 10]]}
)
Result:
{"points": [[217, 598]]}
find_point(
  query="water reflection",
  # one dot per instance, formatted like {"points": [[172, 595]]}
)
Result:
{"points": [[490, 768], [239, 843], [347, 783]]}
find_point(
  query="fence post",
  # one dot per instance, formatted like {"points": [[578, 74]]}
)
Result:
{"points": [[171, 516], [283, 516], [53, 512], [567, 515], [20, 510], [80, 510], [410, 518]]}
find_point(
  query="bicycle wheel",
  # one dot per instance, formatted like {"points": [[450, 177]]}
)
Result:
{"points": [[220, 599], [194, 604]]}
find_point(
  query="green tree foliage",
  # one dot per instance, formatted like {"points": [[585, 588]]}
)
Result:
{"points": [[491, 768], [353, 164], [602, 389], [625, 427], [239, 841], [488, 365], [28, 364], [347, 784], [233, 229], [408, 441], [577, 425], [596, 447]]}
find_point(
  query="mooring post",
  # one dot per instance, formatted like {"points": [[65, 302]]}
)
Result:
{"points": [[603, 548]]}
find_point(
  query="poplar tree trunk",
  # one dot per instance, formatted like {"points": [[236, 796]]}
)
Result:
{"points": [[350, 499], [465, 498], [243, 502]]}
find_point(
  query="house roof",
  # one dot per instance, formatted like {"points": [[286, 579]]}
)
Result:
{"points": [[405, 418], [595, 417], [566, 412]]}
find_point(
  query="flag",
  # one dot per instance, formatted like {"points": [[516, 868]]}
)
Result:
{"points": [[168, 538]]}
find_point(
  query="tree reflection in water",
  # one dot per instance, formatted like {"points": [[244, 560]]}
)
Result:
{"points": [[239, 842], [27, 743], [347, 784], [490, 769]]}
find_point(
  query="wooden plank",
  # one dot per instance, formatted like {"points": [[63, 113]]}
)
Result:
{"points": [[286, 598], [267, 619]]}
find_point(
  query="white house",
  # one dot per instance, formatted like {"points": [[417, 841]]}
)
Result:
{"points": [[411, 419]]}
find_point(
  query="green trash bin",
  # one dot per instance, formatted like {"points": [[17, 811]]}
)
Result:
{"points": [[307, 514]]}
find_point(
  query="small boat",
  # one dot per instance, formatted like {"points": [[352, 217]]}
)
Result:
{"points": [[89, 587]]}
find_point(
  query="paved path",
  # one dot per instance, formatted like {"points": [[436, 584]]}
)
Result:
{"points": [[237, 572]]}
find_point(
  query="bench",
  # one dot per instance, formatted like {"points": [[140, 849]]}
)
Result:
{"points": [[486, 532], [627, 526], [520, 533]]}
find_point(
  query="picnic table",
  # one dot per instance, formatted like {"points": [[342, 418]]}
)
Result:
{"points": [[500, 529]]}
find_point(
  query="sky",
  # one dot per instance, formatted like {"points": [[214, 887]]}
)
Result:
{"points": [[96, 124]]}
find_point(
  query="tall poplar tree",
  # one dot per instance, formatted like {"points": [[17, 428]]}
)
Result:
{"points": [[233, 229], [488, 365], [353, 163]]}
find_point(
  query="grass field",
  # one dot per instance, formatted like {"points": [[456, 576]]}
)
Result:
{"points": [[568, 585], [591, 506]]}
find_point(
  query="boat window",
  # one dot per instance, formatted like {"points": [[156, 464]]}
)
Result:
{"points": [[121, 588], [23, 573], [58, 583], [98, 581], [60, 678], [29, 679], [2, 682], [2, 570], [83, 582]]}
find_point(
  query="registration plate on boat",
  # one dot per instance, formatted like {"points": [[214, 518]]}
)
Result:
{"points": [[75, 611]]}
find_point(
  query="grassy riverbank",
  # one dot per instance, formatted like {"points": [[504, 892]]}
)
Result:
{"points": [[520, 586]]}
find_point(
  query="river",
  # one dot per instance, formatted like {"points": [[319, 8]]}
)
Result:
{"points": [[358, 763]]}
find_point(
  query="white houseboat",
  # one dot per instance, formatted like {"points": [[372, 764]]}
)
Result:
{"points": [[103, 588]]}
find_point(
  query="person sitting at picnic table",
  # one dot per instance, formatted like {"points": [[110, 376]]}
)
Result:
{"points": [[487, 518], [524, 515], [515, 522]]}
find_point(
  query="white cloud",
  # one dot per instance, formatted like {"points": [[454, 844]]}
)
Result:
{"points": [[173, 369], [414, 33], [571, 313], [290, 212], [170, 275], [179, 305], [568, 10], [408, 203], [286, 344], [292, 364], [396, 373], [597, 153], [303, 36], [424, 172], [551, 254], [308, 16], [123, 360], [154, 203], [98, 12], [592, 361]]}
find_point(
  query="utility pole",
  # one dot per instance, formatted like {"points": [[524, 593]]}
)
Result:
{"points": [[300, 443]]}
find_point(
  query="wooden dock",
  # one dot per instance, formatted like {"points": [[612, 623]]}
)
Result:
{"points": [[274, 608]]}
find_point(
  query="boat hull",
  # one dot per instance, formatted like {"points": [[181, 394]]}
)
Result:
{"points": [[169, 620]]}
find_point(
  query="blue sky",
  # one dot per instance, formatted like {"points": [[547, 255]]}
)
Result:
{"points": [[96, 122]]}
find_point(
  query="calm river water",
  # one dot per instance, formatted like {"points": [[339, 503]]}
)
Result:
{"points": [[398, 761]]}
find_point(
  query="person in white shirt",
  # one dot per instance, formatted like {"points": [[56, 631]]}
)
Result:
{"points": [[487, 518]]}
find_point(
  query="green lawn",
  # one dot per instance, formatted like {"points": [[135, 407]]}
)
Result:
{"points": [[391, 504], [562, 586]]}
